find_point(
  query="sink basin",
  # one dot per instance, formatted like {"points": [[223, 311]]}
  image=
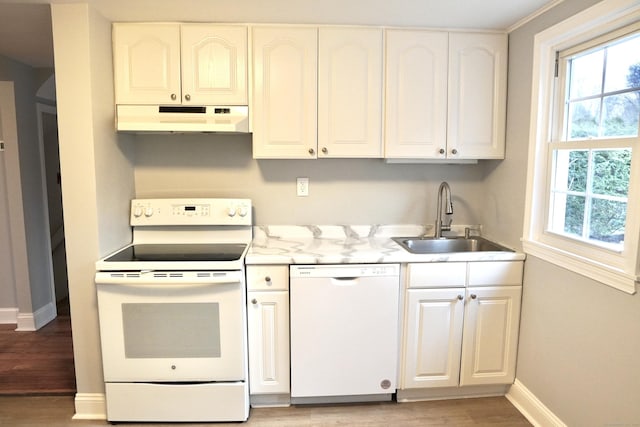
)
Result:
{"points": [[430, 245]]}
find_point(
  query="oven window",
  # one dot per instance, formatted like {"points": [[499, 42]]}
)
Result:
{"points": [[171, 330]]}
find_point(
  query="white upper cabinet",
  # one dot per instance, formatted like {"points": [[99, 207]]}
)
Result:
{"points": [[189, 64], [285, 85], [350, 92], [214, 64], [445, 95], [477, 95], [146, 61], [416, 93]]}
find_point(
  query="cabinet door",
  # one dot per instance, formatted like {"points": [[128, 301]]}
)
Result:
{"points": [[268, 324], [477, 95], [350, 92], [433, 338], [214, 64], [416, 94], [284, 106], [492, 318], [146, 59]]}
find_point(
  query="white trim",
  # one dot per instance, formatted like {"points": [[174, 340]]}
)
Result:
{"points": [[8, 316], [534, 15], [48, 261], [531, 407], [36, 320], [604, 17], [90, 406], [25, 322], [586, 267], [45, 314]]}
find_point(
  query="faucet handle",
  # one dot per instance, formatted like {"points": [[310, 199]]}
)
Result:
{"points": [[468, 230]]}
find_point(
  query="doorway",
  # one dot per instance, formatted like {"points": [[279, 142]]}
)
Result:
{"points": [[49, 149]]}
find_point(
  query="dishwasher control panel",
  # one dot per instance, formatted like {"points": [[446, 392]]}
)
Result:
{"points": [[345, 270]]}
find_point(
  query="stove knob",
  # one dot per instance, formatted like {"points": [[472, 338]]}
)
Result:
{"points": [[231, 212], [148, 212], [243, 211], [137, 212]]}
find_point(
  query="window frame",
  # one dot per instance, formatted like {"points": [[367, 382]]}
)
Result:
{"points": [[616, 269]]}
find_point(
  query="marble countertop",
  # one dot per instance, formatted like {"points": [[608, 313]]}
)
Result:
{"points": [[349, 244]]}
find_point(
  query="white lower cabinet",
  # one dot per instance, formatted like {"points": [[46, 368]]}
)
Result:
{"points": [[434, 337], [490, 335], [457, 334], [268, 324]]}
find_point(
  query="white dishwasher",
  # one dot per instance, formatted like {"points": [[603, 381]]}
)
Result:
{"points": [[344, 332]]}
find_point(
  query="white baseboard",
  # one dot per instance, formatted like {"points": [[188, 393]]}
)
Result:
{"points": [[531, 407], [26, 322], [8, 315], [90, 406], [36, 320]]}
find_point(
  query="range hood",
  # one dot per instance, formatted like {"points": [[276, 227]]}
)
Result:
{"points": [[178, 118]]}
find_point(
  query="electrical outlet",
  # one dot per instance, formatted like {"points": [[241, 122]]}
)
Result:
{"points": [[302, 185]]}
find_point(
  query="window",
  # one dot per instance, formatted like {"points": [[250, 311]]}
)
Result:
{"points": [[583, 186], [591, 149]]}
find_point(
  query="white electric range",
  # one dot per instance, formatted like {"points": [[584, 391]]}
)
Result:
{"points": [[172, 310]]}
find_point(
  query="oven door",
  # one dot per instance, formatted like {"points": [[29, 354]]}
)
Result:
{"points": [[176, 327]]}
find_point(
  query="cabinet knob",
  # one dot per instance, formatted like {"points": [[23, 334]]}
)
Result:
{"points": [[460, 297], [187, 97], [254, 301], [441, 151], [454, 151], [267, 279], [312, 151], [173, 96], [324, 150], [474, 296]]}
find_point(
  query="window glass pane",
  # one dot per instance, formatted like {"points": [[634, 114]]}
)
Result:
{"points": [[623, 65], [577, 170], [586, 75], [607, 220], [611, 172], [574, 215], [583, 119], [620, 115]]}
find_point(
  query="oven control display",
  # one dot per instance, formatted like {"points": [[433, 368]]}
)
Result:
{"points": [[191, 210]]}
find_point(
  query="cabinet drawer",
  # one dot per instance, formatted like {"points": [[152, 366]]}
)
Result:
{"points": [[495, 273], [438, 274], [268, 277]]}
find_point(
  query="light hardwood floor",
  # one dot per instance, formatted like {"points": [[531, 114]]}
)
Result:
{"points": [[56, 411]]}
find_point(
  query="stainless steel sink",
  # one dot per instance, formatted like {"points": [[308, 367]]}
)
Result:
{"points": [[431, 245]]}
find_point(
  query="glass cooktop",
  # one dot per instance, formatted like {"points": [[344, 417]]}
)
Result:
{"points": [[180, 252]]}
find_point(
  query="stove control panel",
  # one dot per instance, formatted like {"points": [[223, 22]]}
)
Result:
{"points": [[153, 212]]}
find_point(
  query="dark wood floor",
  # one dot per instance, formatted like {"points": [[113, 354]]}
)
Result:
{"points": [[496, 411], [39, 362]]}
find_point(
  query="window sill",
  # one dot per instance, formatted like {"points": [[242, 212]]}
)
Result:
{"points": [[615, 278]]}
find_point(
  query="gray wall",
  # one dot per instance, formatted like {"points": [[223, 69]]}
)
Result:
{"points": [[36, 293], [579, 340], [341, 191]]}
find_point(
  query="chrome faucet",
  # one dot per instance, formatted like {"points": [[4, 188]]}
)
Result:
{"points": [[440, 227]]}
